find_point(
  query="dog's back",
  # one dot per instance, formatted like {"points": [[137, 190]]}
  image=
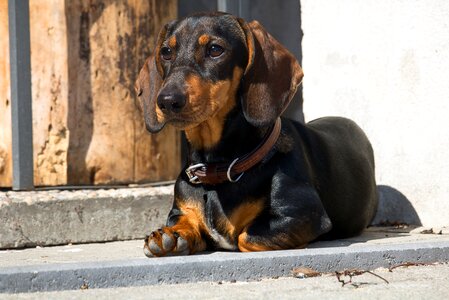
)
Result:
{"points": [[343, 168]]}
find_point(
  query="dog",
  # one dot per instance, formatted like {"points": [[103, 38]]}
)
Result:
{"points": [[254, 181]]}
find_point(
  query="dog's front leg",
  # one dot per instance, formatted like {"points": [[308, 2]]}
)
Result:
{"points": [[184, 233]]}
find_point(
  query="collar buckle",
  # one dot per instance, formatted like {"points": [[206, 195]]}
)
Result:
{"points": [[190, 171]]}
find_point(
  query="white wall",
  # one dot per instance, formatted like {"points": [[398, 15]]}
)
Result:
{"points": [[385, 64]]}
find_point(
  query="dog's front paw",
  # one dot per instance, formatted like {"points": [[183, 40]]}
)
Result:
{"points": [[165, 242]]}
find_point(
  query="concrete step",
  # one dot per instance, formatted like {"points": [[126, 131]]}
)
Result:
{"points": [[120, 264], [58, 217]]}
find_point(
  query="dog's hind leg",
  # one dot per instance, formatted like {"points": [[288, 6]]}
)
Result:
{"points": [[291, 223]]}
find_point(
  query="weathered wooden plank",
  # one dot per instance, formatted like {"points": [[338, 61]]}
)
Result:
{"points": [[50, 91], [87, 127], [108, 42]]}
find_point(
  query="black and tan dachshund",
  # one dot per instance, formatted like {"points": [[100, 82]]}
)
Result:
{"points": [[254, 181]]}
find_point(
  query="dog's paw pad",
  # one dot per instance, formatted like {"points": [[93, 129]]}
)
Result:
{"points": [[154, 248], [182, 245], [163, 242], [168, 242], [147, 252]]}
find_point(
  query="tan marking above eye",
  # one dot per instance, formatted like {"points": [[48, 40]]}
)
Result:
{"points": [[172, 42], [203, 39]]}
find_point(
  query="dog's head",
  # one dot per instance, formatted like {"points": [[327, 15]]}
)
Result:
{"points": [[202, 63]]}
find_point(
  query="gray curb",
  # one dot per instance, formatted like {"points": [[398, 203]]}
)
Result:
{"points": [[217, 266]]}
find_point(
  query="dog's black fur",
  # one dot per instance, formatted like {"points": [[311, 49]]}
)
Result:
{"points": [[225, 82]]}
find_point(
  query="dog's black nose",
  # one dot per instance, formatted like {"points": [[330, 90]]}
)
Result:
{"points": [[173, 102]]}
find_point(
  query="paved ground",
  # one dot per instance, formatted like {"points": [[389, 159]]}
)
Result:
{"points": [[413, 282], [121, 268]]}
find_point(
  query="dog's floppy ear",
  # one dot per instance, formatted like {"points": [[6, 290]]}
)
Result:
{"points": [[271, 76], [148, 84], [147, 88]]}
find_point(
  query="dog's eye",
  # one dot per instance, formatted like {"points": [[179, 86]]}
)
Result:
{"points": [[166, 53], [215, 51]]}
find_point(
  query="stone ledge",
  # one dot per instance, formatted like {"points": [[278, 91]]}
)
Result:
{"points": [[56, 217], [122, 263]]}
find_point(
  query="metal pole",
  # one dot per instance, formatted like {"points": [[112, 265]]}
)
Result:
{"points": [[244, 9], [229, 6], [236, 7], [21, 115]]}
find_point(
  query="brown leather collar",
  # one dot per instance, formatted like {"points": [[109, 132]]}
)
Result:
{"points": [[215, 173]]}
